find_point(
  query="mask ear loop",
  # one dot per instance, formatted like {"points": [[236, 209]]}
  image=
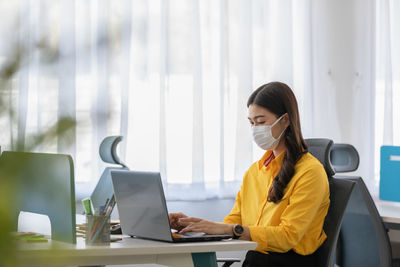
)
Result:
{"points": [[281, 134], [278, 119], [279, 137]]}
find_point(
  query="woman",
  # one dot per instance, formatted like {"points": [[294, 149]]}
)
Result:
{"points": [[284, 197]]}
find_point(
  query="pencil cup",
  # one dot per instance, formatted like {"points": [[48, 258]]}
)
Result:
{"points": [[97, 230]]}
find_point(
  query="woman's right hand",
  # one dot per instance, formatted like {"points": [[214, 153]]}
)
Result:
{"points": [[174, 220]]}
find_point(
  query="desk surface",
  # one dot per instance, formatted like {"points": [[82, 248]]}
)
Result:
{"points": [[127, 251], [389, 211]]}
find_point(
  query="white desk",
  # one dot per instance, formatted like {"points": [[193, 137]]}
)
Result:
{"points": [[127, 251], [390, 213]]}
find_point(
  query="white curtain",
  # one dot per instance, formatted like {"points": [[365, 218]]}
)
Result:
{"points": [[387, 76], [342, 95], [173, 78]]}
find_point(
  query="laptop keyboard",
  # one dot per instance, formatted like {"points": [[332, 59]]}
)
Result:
{"points": [[193, 234], [188, 235]]}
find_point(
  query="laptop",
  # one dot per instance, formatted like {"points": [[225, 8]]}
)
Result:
{"points": [[143, 211]]}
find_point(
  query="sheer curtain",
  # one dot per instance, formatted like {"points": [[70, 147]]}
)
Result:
{"points": [[173, 78], [387, 114], [342, 104]]}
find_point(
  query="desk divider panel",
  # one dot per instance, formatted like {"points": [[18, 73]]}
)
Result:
{"points": [[44, 184], [204, 259]]}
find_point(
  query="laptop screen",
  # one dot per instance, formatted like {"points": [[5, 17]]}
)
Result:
{"points": [[141, 204]]}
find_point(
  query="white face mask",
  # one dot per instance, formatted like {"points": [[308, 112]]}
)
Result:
{"points": [[262, 135]]}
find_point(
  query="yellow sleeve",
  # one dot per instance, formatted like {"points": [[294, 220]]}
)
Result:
{"points": [[308, 194], [235, 216]]}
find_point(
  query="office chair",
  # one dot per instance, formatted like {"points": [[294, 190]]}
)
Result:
{"points": [[340, 191], [108, 153], [363, 239]]}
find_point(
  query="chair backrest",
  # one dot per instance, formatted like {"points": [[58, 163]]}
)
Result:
{"points": [[321, 149], [108, 153], [44, 184], [340, 191], [363, 237], [104, 189]]}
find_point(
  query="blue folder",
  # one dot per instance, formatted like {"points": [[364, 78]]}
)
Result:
{"points": [[389, 187]]}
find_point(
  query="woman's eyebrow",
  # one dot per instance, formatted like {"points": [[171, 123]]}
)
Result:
{"points": [[256, 117]]}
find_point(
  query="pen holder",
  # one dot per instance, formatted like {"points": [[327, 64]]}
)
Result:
{"points": [[97, 230]]}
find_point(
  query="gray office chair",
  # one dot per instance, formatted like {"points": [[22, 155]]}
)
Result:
{"points": [[363, 239], [108, 153], [340, 191]]}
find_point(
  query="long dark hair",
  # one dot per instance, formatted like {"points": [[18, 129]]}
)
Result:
{"points": [[279, 99]]}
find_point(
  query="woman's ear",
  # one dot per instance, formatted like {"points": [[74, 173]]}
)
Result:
{"points": [[286, 120]]}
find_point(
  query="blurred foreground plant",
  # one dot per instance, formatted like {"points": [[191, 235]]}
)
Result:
{"points": [[63, 129]]}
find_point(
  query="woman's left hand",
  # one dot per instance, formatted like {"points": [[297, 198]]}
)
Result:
{"points": [[200, 225]]}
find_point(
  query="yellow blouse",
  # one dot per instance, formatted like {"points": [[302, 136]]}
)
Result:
{"points": [[293, 223]]}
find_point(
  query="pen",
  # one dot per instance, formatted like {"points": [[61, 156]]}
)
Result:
{"points": [[101, 209], [110, 206], [105, 206], [93, 229]]}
